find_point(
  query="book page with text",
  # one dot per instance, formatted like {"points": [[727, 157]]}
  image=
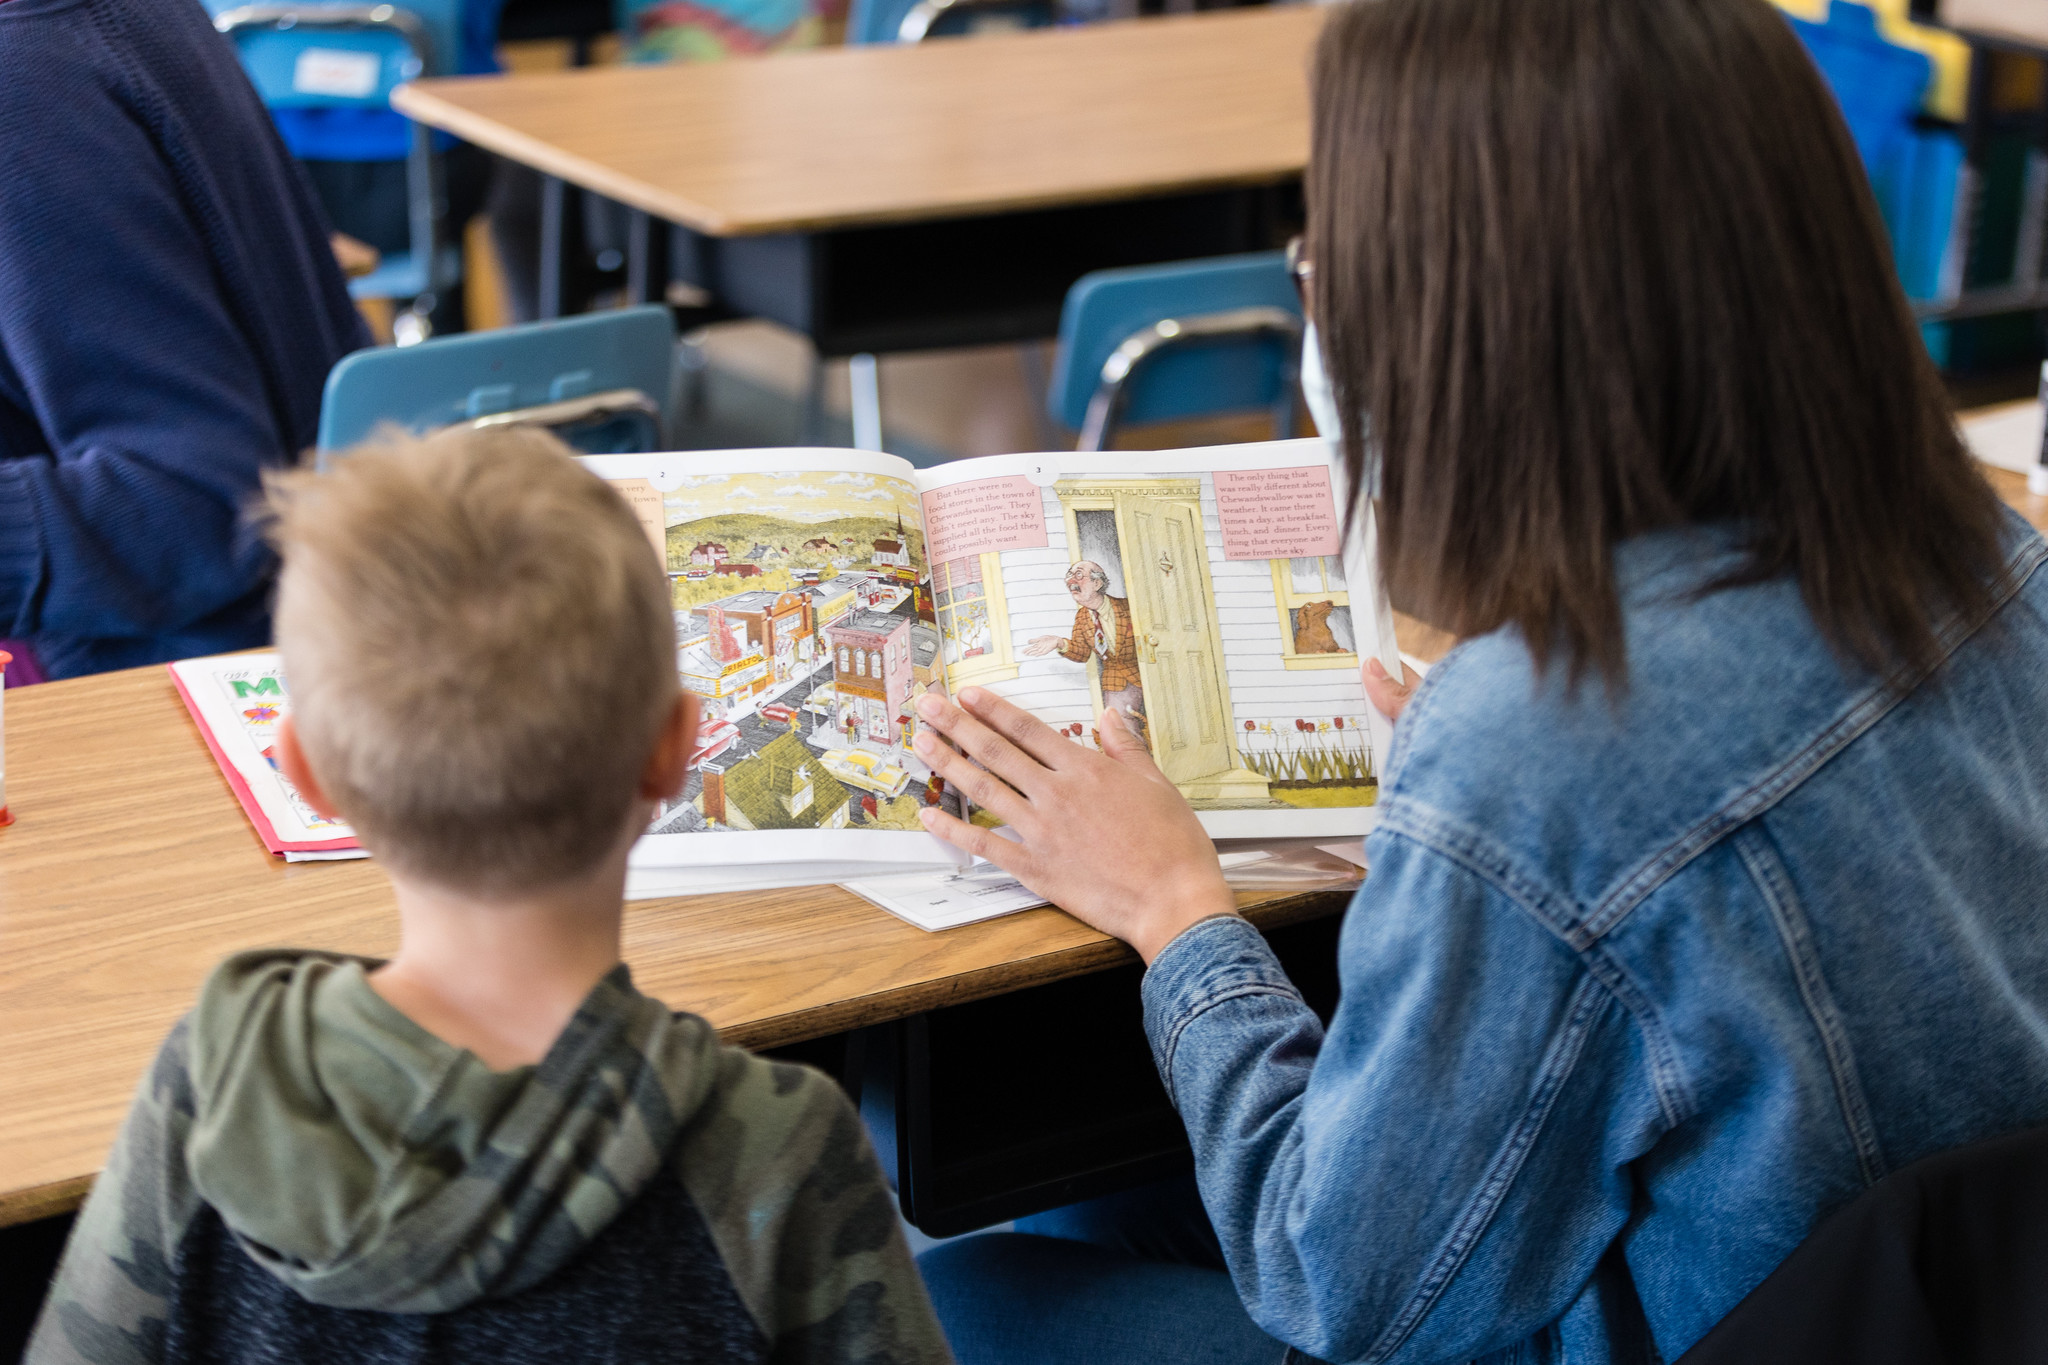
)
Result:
{"points": [[1205, 594]]}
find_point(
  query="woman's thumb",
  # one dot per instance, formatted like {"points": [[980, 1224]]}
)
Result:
{"points": [[1118, 739]]}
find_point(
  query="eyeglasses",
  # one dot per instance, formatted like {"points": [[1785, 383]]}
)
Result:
{"points": [[1301, 270]]}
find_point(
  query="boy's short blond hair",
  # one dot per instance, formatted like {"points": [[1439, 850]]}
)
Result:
{"points": [[480, 652]]}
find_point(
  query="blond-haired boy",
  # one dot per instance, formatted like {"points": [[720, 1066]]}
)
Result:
{"points": [[491, 1147]]}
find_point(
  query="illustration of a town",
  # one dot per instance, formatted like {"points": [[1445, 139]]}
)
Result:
{"points": [[805, 627]]}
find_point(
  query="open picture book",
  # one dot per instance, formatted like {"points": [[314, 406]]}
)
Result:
{"points": [[1208, 595]]}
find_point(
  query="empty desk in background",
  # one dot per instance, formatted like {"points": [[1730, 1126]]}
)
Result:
{"points": [[946, 194]]}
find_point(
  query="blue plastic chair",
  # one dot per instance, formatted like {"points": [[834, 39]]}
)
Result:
{"points": [[321, 54], [599, 380], [1168, 342], [913, 21]]}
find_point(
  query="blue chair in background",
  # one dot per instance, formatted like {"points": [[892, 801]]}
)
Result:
{"points": [[601, 381], [913, 21], [1170, 342], [316, 55]]}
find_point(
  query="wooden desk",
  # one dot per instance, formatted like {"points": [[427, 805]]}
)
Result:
{"points": [[853, 136], [2013, 488], [897, 198], [130, 871]]}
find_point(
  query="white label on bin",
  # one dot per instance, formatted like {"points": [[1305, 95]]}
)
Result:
{"points": [[331, 71]]}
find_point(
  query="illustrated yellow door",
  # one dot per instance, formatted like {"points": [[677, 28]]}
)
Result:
{"points": [[1166, 571]]}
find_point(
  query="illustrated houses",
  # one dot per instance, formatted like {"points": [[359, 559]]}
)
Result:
{"points": [[872, 672], [779, 625], [782, 785]]}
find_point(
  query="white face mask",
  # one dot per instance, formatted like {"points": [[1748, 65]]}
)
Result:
{"points": [[1315, 388], [1322, 405]]}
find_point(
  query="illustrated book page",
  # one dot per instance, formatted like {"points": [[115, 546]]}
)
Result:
{"points": [[805, 628], [237, 701], [1207, 595]]}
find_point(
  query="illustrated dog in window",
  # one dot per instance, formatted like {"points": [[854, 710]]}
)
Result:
{"points": [[1312, 634]]}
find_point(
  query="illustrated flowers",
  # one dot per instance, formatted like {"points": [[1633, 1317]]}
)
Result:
{"points": [[1319, 754], [261, 715]]}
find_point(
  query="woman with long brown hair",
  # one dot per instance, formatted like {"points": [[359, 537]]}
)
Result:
{"points": [[1708, 879]]}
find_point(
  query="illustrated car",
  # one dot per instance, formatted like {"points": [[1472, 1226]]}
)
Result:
{"points": [[779, 713], [714, 737], [823, 700], [859, 768]]}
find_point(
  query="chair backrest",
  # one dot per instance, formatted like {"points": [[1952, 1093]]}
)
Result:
{"points": [[600, 379], [912, 21], [331, 54], [1245, 368], [1942, 1260]]}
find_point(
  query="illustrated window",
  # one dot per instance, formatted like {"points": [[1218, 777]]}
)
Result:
{"points": [[974, 621], [1315, 613]]}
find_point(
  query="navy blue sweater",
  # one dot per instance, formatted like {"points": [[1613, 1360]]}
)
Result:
{"points": [[169, 309]]}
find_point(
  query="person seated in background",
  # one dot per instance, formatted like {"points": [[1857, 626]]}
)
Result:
{"points": [[169, 309], [1708, 881], [491, 1146]]}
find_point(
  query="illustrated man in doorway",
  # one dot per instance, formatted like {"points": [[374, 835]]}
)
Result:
{"points": [[1102, 632]]}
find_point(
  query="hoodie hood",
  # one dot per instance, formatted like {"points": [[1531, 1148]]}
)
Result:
{"points": [[368, 1164]]}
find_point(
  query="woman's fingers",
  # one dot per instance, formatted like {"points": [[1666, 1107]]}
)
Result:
{"points": [[1121, 742], [1010, 856], [976, 783], [1024, 730], [981, 743]]}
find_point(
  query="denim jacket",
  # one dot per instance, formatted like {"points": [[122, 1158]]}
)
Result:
{"points": [[1640, 986]]}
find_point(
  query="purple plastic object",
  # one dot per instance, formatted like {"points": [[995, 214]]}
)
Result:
{"points": [[25, 668]]}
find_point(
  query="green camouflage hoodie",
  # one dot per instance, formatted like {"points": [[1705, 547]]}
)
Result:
{"points": [[641, 1178]]}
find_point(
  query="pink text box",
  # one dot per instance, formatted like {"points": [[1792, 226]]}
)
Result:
{"points": [[981, 517], [1277, 513]]}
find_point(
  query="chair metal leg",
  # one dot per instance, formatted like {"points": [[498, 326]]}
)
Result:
{"points": [[813, 429], [1038, 385], [553, 199], [647, 257], [692, 377], [1099, 425], [415, 323], [864, 374]]}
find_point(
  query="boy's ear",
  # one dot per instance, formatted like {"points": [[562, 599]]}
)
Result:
{"points": [[668, 767], [291, 761]]}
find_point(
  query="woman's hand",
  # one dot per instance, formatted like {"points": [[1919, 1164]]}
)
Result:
{"points": [[1388, 696], [1104, 836]]}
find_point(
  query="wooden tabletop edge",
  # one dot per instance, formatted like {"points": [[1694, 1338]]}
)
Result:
{"points": [[980, 983], [422, 103], [44, 1201]]}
